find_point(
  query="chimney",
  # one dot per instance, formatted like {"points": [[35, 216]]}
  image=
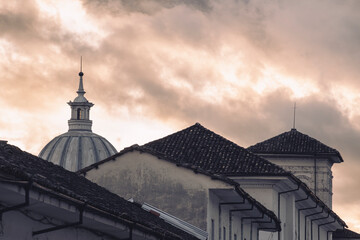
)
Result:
{"points": [[3, 143]]}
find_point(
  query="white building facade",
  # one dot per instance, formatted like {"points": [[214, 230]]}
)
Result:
{"points": [[302, 214], [307, 158], [155, 173], [212, 203]]}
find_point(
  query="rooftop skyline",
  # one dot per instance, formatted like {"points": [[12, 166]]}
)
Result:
{"points": [[155, 67]]}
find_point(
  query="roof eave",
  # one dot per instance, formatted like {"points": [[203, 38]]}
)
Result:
{"points": [[96, 165], [334, 157], [307, 190]]}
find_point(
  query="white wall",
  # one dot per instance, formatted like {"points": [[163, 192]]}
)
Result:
{"points": [[176, 190], [224, 221], [145, 178], [266, 194]]}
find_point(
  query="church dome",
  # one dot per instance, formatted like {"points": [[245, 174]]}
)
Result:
{"points": [[75, 150], [79, 147]]}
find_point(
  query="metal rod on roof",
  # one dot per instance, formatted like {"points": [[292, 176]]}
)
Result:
{"points": [[294, 115]]}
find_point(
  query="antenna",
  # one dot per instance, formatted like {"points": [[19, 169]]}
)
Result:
{"points": [[294, 115]]}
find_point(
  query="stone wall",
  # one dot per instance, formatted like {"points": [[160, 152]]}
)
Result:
{"points": [[304, 169], [143, 177]]}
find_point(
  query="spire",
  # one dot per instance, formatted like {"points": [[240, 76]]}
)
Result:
{"points": [[80, 108], [81, 91]]}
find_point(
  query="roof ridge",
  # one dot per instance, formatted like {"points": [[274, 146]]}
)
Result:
{"points": [[220, 177], [203, 137], [197, 124], [176, 147], [293, 142], [198, 167]]}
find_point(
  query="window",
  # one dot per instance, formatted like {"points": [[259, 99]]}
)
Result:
{"points": [[224, 233], [235, 237], [79, 114]]}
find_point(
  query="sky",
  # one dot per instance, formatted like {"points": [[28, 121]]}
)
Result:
{"points": [[153, 67]]}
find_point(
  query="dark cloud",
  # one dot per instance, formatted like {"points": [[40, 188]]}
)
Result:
{"points": [[318, 39], [144, 6], [168, 61], [20, 22]]}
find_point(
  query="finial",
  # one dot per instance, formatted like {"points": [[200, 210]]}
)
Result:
{"points": [[294, 116], [81, 74]]}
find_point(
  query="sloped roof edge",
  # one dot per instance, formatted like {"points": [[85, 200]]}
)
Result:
{"points": [[224, 177], [219, 177], [19, 167]]}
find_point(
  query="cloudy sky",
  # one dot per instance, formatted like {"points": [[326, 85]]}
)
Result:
{"points": [[153, 67]]}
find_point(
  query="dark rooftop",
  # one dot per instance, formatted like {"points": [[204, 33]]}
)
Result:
{"points": [[345, 233], [209, 151], [24, 166], [293, 142], [203, 149], [206, 152]]}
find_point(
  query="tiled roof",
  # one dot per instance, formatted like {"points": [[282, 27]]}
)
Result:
{"points": [[206, 152], [209, 151], [24, 166], [293, 142], [345, 233], [202, 149]]}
